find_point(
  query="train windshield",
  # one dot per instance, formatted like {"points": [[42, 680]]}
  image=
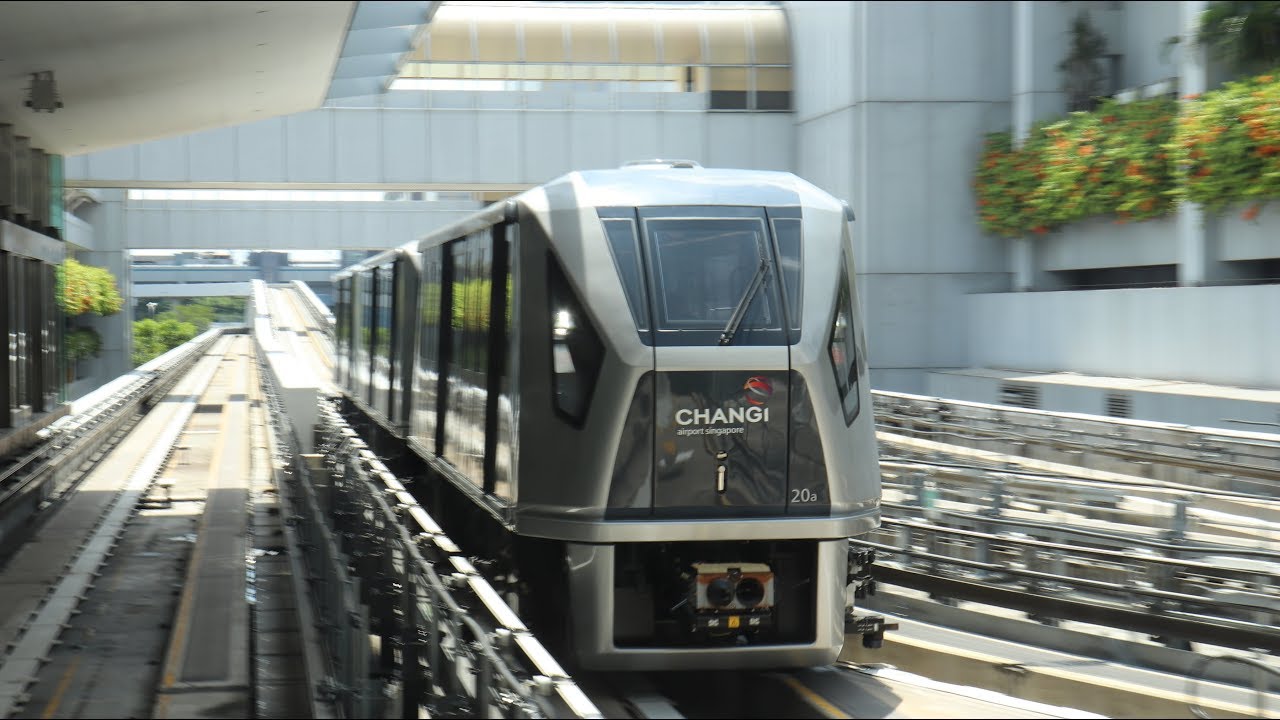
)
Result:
{"points": [[707, 264]]}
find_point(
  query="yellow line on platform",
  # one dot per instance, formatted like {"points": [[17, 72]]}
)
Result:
{"points": [[177, 645], [63, 684], [818, 702]]}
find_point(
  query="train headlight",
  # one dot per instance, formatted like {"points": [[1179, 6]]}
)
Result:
{"points": [[750, 592], [563, 324], [720, 592], [737, 586]]}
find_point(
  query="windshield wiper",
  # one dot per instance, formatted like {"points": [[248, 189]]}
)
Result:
{"points": [[740, 312]]}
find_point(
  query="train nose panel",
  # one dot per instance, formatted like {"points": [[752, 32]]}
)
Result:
{"points": [[720, 444]]}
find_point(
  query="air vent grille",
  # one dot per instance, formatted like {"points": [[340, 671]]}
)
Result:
{"points": [[1023, 396]]}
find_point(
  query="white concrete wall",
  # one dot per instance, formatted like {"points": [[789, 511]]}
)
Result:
{"points": [[1219, 335], [892, 103], [301, 225], [1101, 243], [1147, 25], [485, 142]]}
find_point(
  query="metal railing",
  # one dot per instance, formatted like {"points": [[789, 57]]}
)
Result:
{"points": [[407, 623]]}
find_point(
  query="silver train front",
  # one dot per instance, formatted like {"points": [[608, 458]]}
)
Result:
{"points": [[663, 371]]}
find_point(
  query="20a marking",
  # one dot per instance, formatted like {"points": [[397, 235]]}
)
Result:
{"points": [[803, 495]]}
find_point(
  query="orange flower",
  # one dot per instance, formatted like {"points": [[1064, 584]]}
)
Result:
{"points": [[1148, 204], [1109, 119], [1086, 150], [1251, 213], [1192, 96], [1040, 230], [1264, 78], [1202, 172]]}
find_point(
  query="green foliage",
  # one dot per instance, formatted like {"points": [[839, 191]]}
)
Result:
{"points": [[1244, 33], [85, 288], [1082, 73], [1227, 146], [153, 338], [1110, 161], [82, 343]]}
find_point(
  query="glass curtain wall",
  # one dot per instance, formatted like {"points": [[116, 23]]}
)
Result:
{"points": [[737, 56]]}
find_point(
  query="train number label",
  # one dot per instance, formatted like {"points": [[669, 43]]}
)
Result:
{"points": [[803, 495]]}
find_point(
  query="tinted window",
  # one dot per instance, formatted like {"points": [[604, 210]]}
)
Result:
{"points": [[787, 233], [576, 349], [843, 349], [702, 268], [623, 243]]}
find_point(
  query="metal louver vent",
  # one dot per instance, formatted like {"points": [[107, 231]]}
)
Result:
{"points": [[1023, 396], [1119, 406]]}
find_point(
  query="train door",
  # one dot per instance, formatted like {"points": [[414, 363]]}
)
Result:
{"points": [[721, 361]]}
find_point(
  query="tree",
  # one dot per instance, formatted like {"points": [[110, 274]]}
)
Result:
{"points": [[152, 338], [1242, 33], [1082, 68], [85, 288]]}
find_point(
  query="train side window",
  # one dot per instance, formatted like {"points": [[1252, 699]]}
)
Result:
{"points": [[576, 350], [844, 349], [625, 247]]}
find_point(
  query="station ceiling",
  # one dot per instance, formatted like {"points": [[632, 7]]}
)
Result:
{"points": [[127, 72]]}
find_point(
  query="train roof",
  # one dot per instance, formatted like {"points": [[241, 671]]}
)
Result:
{"points": [[642, 184], [680, 184]]}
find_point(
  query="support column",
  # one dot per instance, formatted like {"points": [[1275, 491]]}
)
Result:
{"points": [[1194, 256], [1021, 255]]}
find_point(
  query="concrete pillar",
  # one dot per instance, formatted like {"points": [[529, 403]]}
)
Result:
{"points": [[1194, 256], [1021, 253], [110, 252]]}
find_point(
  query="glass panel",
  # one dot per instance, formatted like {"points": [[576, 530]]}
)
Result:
{"points": [[702, 268], [637, 42], [449, 37], [790, 256], [495, 36], [623, 243], [576, 350], [427, 369], [726, 38], [844, 350], [728, 88], [681, 41], [773, 88], [543, 41], [589, 41], [769, 31]]}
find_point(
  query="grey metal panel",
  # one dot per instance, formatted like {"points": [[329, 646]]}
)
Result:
{"points": [[821, 34], [260, 151], [593, 141], [453, 141], [212, 154], [358, 142], [639, 135], [728, 134], [547, 142], [775, 144], [22, 175], [8, 170], [311, 146], [115, 164], [405, 147], [22, 242], [164, 159], [496, 156], [684, 135]]}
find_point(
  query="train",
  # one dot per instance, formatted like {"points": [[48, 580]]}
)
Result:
{"points": [[643, 392]]}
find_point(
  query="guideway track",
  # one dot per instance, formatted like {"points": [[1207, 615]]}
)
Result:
{"points": [[48, 580]]}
